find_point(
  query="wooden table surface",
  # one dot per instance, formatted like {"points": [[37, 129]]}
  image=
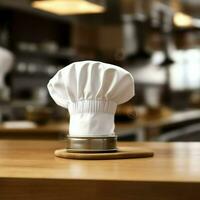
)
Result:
{"points": [[29, 170]]}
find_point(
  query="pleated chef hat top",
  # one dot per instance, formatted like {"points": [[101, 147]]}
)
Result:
{"points": [[91, 91]]}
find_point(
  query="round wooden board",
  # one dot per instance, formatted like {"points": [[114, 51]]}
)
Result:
{"points": [[122, 153]]}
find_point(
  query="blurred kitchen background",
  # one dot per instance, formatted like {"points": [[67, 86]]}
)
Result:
{"points": [[158, 41]]}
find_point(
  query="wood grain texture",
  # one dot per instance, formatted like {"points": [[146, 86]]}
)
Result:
{"points": [[43, 189], [29, 170]]}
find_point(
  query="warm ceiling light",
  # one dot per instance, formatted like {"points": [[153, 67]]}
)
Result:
{"points": [[68, 7], [182, 20]]}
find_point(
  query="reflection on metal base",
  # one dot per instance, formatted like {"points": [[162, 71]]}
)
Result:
{"points": [[92, 144]]}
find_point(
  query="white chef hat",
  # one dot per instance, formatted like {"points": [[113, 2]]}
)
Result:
{"points": [[91, 91]]}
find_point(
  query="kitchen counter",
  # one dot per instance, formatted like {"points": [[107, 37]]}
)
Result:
{"points": [[29, 170], [48, 131], [139, 127]]}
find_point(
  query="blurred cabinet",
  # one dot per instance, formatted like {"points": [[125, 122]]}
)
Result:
{"points": [[41, 46]]}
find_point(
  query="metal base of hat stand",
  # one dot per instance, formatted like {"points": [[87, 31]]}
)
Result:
{"points": [[99, 148], [92, 144]]}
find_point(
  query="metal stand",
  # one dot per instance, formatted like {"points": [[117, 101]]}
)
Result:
{"points": [[92, 144]]}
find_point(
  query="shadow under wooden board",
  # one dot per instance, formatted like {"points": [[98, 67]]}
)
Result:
{"points": [[122, 153]]}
